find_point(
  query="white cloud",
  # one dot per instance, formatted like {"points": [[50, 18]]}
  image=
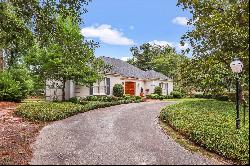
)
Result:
{"points": [[107, 34], [176, 45], [162, 43], [125, 58], [180, 20], [180, 47], [131, 27]]}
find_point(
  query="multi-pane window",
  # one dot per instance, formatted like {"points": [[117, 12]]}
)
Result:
{"points": [[164, 86], [102, 87]]}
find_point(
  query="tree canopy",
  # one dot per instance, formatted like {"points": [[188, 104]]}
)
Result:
{"points": [[220, 33], [45, 35], [23, 22]]}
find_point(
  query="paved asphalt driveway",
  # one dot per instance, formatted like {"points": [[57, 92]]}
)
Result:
{"points": [[124, 134]]}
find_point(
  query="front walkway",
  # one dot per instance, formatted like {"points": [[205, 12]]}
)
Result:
{"points": [[124, 134]]}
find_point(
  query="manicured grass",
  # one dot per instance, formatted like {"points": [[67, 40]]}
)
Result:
{"points": [[51, 111], [211, 124], [184, 99]]}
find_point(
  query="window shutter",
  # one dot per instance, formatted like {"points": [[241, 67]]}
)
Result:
{"points": [[108, 85], [91, 90], [161, 85]]}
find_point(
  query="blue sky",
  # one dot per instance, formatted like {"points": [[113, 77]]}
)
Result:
{"points": [[120, 24]]}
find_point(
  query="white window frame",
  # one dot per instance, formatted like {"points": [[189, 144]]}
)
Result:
{"points": [[98, 86]]}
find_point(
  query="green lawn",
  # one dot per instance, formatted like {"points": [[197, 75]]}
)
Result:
{"points": [[184, 99], [211, 124]]}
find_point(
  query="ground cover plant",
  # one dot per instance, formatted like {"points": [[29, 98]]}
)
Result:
{"points": [[159, 97], [51, 111], [211, 124], [47, 111], [108, 98]]}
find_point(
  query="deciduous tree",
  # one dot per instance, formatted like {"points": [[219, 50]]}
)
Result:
{"points": [[68, 57], [220, 32], [22, 21]]}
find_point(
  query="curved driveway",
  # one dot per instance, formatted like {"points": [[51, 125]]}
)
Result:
{"points": [[124, 134]]}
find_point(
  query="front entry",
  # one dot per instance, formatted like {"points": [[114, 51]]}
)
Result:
{"points": [[130, 88]]}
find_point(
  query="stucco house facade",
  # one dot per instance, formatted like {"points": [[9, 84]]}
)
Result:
{"points": [[133, 79]]}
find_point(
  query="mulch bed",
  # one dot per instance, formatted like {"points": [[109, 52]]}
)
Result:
{"points": [[16, 135]]}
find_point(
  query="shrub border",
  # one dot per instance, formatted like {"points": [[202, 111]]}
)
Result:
{"points": [[77, 110], [190, 145]]}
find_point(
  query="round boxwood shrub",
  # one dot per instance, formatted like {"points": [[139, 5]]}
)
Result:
{"points": [[158, 90], [118, 90]]}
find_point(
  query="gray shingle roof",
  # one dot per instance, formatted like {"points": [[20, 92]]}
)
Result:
{"points": [[151, 74], [127, 70]]}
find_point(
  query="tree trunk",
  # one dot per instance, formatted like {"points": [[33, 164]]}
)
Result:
{"points": [[63, 89]]}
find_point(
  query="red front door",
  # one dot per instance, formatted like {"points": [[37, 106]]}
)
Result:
{"points": [[130, 88]]}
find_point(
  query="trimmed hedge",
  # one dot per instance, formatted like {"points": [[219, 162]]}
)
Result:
{"points": [[232, 96], [211, 124], [228, 96], [176, 95], [159, 97], [210, 96], [100, 98], [73, 100], [51, 111], [126, 97], [106, 98], [138, 97], [48, 111], [152, 96]]}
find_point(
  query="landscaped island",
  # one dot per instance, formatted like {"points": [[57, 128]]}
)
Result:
{"points": [[211, 124]]}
